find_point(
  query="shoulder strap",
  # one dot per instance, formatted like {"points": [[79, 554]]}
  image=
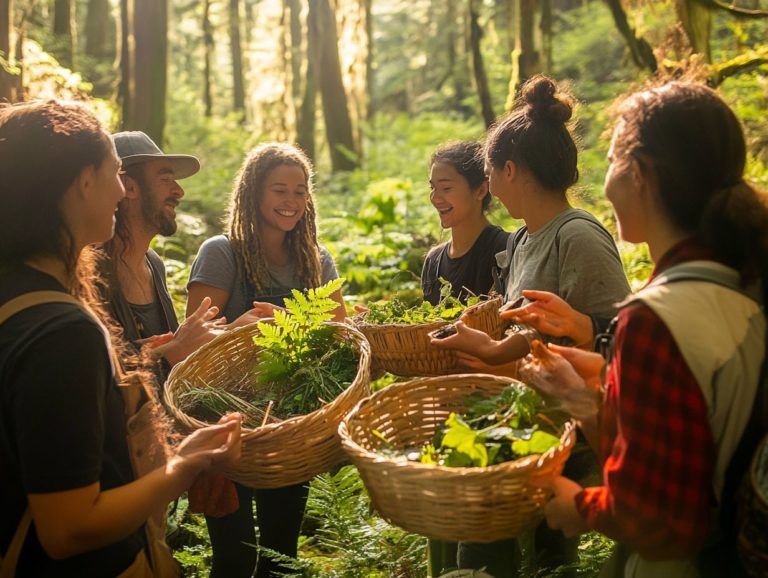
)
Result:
{"points": [[27, 300], [11, 559], [500, 272], [8, 310], [710, 272]]}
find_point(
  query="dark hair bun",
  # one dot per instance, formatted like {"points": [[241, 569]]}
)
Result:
{"points": [[543, 102]]}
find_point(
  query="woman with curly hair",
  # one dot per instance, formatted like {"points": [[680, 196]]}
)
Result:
{"points": [[270, 248]]}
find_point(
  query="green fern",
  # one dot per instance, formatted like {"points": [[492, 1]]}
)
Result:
{"points": [[301, 364]]}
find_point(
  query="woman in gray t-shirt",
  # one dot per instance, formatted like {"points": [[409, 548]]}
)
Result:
{"points": [[531, 161]]}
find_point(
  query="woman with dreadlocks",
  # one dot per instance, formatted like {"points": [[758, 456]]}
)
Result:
{"points": [[270, 248]]}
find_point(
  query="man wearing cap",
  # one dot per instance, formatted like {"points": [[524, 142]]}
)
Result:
{"points": [[136, 292]]}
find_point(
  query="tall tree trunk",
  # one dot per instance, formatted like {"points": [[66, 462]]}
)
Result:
{"points": [[369, 70], [97, 28], [6, 28], [696, 19], [481, 80], [208, 48], [296, 54], [526, 60], [147, 48], [307, 116], [238, 85], [640, 50], [125, 43], [546, 35], [338, 125], [63, 32]]}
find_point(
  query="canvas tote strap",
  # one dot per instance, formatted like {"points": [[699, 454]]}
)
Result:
{"points": [[11, 308]]}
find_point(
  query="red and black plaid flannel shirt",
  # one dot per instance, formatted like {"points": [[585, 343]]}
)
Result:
{"points": [[657, 447]]}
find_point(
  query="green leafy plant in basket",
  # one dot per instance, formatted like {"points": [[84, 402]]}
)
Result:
{"points": [[394, 310], [301, 365], [514, 424]]}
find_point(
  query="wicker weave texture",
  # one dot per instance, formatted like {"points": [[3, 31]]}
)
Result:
{"points": [[405, 349], [281, 453], [455, 504]]}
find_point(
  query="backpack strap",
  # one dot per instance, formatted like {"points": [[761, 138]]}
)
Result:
{"points": [[8, 310], [11, 558], [500, 272]]}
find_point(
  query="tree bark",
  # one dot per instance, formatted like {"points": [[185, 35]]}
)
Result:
{"points": [[238, 84], [63, 32], [208, 47], [125, 43], [7, 83], [147, 53], [526, 60], [338, 124], [369, 69], [481, 80], [97, 29], [639, 49], [696, 19], [546, 35]]}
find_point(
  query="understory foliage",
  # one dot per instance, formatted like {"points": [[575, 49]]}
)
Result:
{"points": [[348, 540]]}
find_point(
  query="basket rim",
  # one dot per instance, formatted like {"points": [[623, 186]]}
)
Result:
{"points": [[360, 318], [359, 340], [522, 465]]}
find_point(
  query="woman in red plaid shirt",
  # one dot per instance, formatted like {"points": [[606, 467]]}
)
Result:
{"points": [[667, 414]]}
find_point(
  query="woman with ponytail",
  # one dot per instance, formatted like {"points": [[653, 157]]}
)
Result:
{"points": [[676, 415]]}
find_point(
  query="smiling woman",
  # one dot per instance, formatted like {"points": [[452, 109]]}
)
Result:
{"points": [[271, 248], [95, 493], [459, 192]]}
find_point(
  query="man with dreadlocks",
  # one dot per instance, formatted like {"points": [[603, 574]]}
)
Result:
{"points": [[135, 290], [270, 248]]}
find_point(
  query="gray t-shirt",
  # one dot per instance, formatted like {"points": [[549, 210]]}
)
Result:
{"points": [[576, 259], [215, 265]]}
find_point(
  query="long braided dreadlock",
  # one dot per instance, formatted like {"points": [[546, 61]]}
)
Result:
{"points": [[244, 217]]}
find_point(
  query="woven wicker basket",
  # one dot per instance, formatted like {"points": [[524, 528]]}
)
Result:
{"points": [[455, 504], [277, 454], [405, 349]]}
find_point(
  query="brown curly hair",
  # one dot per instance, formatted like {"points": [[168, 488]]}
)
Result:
{"points": [[244, 219]]}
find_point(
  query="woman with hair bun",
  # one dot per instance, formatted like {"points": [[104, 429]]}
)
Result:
{"points": [[678, 413], [531, 162]]}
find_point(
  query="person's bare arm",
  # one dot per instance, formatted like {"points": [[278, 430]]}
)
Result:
{"points": [[84, 519]]}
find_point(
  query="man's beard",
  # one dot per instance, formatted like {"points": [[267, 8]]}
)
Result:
{"points": [[156, 216]]}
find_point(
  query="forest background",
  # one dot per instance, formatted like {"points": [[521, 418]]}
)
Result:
{"points": [[369, 88]]}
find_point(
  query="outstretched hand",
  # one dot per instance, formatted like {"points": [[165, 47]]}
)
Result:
{"points": [[194, 332], [551, 315], [466, 339], [549, 370]]}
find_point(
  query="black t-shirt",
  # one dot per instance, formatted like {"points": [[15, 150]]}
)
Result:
{"points": [[470, 272], [62, 422]]}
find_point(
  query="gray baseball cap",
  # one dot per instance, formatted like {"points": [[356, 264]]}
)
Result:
{"points": [[134, 147]]}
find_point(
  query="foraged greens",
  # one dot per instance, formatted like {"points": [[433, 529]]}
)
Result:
{"points": [[511, 425], [300, 367], [394, 310]]}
